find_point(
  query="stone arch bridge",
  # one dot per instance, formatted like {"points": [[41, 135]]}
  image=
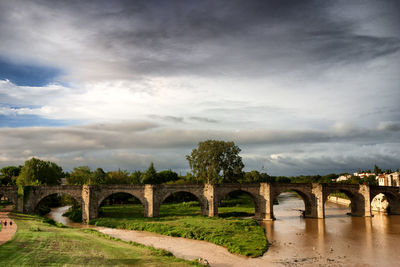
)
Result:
{"points": [[314, 196]]}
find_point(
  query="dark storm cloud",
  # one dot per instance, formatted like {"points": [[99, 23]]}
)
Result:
{"points": [[146, 135], [214, 37]]}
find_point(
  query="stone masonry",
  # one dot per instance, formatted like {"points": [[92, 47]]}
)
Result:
{"points": [[314, 196]]}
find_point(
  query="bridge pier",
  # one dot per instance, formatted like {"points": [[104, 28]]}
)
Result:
{"points": [[209, 194], [317, 205], [89, 204], [150, 209], [394, 207], [266, 203], [365, 192]]}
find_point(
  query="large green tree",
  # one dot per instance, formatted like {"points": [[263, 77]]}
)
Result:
{"points": [[216, 162], [36, 172]]}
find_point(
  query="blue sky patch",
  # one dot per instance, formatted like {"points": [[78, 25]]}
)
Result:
{"points": [[27, 74], [27, 120]]}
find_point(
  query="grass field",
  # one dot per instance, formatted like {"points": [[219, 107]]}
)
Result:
{"points": [[39, 243], [239, 235]]}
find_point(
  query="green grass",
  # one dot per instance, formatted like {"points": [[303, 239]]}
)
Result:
{"points": [[239, 235], [42, 242]]}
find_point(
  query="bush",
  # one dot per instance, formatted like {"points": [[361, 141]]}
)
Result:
{"points": [[74, 214]]}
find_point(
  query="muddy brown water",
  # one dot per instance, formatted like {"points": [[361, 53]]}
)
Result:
{"points": [[339, 240]]}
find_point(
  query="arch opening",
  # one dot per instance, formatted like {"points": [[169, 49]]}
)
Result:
{"points": [[58, 205], [121, 205], [340, 203], [291, 204], [380, 203], [181, 203], [237, 203], [6, 203]]}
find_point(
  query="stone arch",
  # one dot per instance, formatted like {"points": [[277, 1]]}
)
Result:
{"points": [[10, 193], [247, 192], [107, 194], [357, 200], [47, 194], [202, 200], [393, 199], [223, 191], [305, 195]]}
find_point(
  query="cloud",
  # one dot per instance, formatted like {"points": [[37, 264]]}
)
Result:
{"points": [[126, 40], [133, 144], [202, 119], [393, 126]]}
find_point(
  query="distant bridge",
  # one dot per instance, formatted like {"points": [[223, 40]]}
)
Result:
{"points": [[314, 196]]}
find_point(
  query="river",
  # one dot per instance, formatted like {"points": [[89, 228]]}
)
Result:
{"points": [[337, 240]]}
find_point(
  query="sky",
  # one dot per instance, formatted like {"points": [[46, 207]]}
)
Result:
{"points": [[302, 87]]}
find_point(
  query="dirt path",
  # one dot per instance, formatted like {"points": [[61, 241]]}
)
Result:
{"points": [[6, 232], [186, 248]]}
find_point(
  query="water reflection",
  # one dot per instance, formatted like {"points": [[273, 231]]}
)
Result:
{"points": [[370, 240]]}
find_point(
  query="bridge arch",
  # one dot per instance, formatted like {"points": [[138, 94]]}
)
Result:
{"points": [[167, 191], [357, 200], [305, 194], [392, 197], [131, 192], [254, 200], [10, 193], [37, 202], [200, 198], [252, 190]]}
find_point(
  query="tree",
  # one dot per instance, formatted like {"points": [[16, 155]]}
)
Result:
{"points": [[9, 175], [80, 176], [36, 172], [166, 176], [377, 170], [117, 177], [255, 177], [135, 177], [98, 177], [150, 176], [216, 162]]}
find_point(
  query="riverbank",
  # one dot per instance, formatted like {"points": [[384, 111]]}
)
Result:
{"points": [[239, 235], [38, 242], [339, 200]]}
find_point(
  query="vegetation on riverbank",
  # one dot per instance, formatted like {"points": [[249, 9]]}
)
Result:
{"points": [[42, 242], [239, 235], [74, 215]]}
